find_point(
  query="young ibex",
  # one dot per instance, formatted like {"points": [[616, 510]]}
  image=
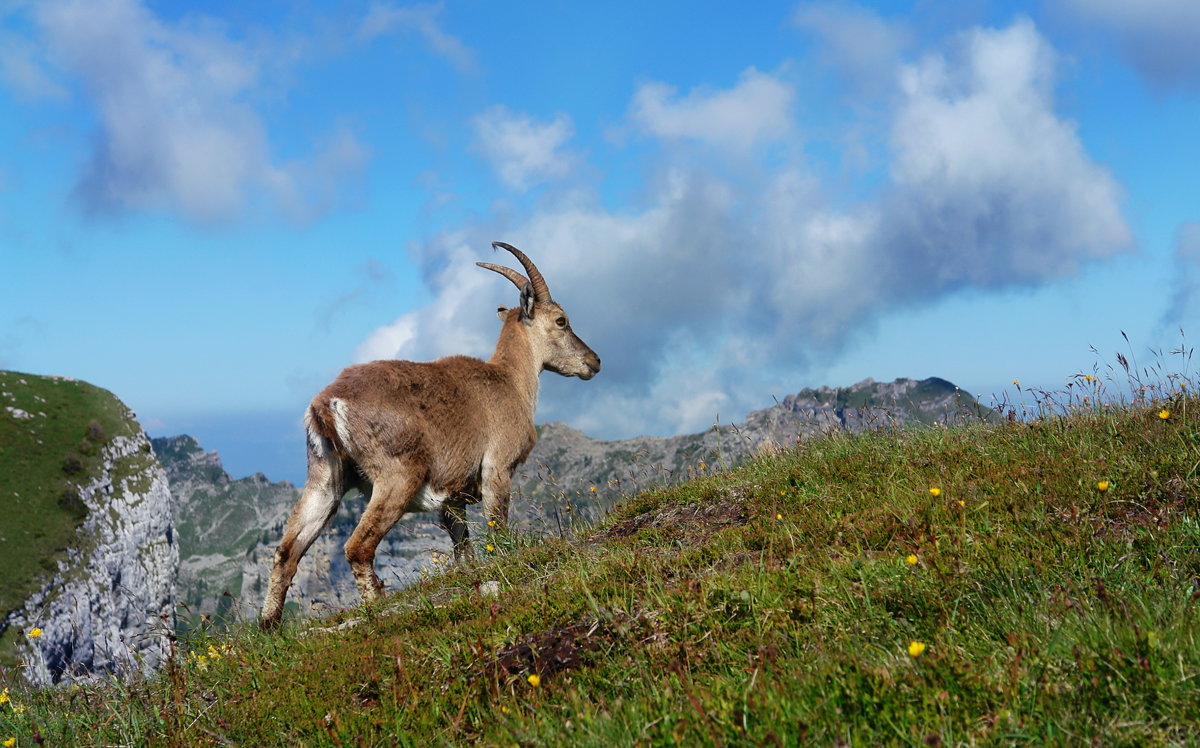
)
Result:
{"points": [[428, 436]]}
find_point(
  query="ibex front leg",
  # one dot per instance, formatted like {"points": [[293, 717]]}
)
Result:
{"points": [[496, 487]]}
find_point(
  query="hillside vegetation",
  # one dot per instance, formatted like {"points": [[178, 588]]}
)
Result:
{"points": [[52, 433], [1034, 581]]}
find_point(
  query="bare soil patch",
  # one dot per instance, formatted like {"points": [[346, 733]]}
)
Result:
{"points": [[557, 649], [692, 524]]}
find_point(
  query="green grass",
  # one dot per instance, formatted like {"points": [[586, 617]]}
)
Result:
{"points": [[769, 605], [42, 461]]}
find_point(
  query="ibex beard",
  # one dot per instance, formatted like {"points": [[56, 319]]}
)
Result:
{"points": [[428, 437]]}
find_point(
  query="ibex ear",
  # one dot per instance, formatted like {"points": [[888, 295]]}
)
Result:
{"points": [[500, 310], [527, 302]]}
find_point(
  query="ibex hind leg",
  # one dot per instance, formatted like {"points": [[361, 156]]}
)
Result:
{"points": [[323, 491], [454, 520], [390, 499]]}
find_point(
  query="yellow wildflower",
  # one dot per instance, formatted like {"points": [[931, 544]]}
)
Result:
{"points": [[778, 515], [491, 523], [534, 680], [18, 709], [1164, 414], [593, 489], [10, 742], [489, 547], [1102, 485], [4, 696], [916, 649], [935, 492], [1017, 382], [962, 504], [504, 709], [35, 632], [911, 559]]}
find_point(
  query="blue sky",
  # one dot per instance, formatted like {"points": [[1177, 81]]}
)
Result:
{"points": [[210, 209]]}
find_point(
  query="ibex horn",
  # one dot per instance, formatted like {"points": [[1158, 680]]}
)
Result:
{"points": [[541, 292]]}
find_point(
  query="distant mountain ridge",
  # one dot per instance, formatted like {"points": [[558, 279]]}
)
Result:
{"points": [[570, 458], [218, 520], [228, 529]]}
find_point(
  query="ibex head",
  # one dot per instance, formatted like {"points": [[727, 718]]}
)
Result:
{"points": [[559, 348]]}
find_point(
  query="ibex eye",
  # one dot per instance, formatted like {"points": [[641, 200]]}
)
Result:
{"points": [[561, 321]]}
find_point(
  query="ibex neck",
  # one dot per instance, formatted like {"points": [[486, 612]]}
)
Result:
{"points": [[515, 356]]}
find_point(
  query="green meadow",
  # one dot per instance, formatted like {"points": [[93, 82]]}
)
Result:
{"points": [[1033, 581]]}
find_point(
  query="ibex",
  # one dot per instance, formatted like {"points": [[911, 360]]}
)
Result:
{"points": [[427, 437]]}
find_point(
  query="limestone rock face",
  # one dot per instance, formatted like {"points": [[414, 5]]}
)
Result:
{"points": [[105, 603]]}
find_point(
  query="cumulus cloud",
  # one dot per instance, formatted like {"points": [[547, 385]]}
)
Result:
{"points": [[175, 127], [422, 19], [523, 151], [718, 289], [757, 110], [982, 161], [1161, 38]]}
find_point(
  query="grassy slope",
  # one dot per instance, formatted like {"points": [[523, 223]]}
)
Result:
{"points": [[766, 605], [36, 480]]}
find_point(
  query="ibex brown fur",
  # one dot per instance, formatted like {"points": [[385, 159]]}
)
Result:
{"points": [[427, 437]]}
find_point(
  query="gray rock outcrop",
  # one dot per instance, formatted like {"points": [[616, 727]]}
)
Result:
{"points": [[108, 605]]}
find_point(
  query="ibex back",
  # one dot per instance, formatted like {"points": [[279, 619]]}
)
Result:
{"points": [[428, 437]]}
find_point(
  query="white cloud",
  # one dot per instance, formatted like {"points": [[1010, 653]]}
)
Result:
{"points": [[717, 290], [1160, 37], [523, 151], [175, 129], [423, 19], [993, 187], [756, 111]]}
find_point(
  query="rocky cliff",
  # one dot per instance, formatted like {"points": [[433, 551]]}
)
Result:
{"points": [[229, 529], [88, 548]]}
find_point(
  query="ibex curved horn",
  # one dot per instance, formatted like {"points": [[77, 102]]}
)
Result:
{"points": [[518, 280], [541, 292]]}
